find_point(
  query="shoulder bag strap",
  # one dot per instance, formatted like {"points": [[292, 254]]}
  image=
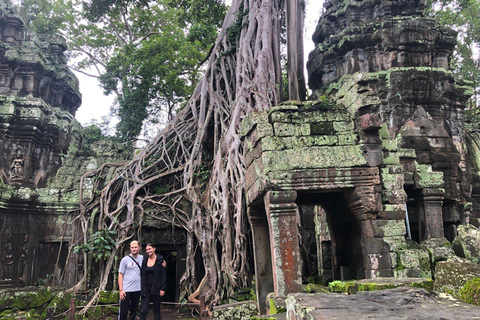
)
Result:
{"points": [[135, 262]]}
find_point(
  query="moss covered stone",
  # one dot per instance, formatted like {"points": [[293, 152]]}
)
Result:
{"points": [[451, 276], [25, 298], [467, 243], [470, 293], [235, 311], [413, 263], [352, 287]]}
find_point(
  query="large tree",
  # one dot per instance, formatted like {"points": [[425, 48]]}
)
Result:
{"points": [[197, 160]]}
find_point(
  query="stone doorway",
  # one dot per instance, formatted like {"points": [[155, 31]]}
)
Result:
{"points": [[279, 246], [171, 291], [337, 237]]}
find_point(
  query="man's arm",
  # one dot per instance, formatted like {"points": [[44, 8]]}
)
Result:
{"points": [[120, 286], [163, 277]]}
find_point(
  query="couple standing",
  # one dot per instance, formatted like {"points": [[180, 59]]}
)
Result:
{"points": [[138, 277]]}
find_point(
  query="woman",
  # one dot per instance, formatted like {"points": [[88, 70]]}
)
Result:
{"points": [[153, 283]]}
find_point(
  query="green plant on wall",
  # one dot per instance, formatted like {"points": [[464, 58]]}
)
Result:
{"points": [[100, 244]]}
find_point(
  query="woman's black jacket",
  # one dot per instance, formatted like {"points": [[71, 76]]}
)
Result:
{"points": [[159, 276]]}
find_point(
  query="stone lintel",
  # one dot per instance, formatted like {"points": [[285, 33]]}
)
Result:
{"points": [[314, 179]]}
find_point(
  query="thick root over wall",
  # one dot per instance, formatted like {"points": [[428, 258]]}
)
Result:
{"points": [[198, 159]]}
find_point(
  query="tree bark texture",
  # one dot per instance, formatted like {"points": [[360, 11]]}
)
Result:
{"points": [[199, 159]]}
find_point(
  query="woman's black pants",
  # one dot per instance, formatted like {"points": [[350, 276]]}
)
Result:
{"points": [[157, 305]]}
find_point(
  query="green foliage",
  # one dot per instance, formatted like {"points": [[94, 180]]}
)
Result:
{"points": [[161, 189], [470, 292], [92, 133], [203, 175], [233, 32], [157, 68], [100, 244], [336, 286], [46, 17], [463, 17], [41, 281]]}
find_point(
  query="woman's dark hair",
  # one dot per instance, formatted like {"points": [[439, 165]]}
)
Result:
{"points": [[151, 245]]}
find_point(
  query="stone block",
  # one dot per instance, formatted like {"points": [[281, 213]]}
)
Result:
{"points": [[393, 212], [368, 122], [378, 273], [407, 153], [343, 126], [467, 243], [392, 182], [260, 131], [288, 129], [251, 120], [253, 154], [388, 228], [347, 139], [425, 177], [389, 145], [390, 158], [274, 143], [439, 249], [235, 311], [308, 116], [25, 298], [392, 169], [373, 154], [413, 263], [394, 196], [374, 245], [377, 261], [410, 301], [451, 276], [312, 158], [7, 109], [370, 137], [322, 128], [433, 192]]}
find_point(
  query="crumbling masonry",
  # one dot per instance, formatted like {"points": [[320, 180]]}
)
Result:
{"points": [[38, 99], [380, 157]]}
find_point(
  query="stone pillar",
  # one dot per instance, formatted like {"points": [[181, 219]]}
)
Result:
{"points": [[282, 215], [262, 256], [431, 203]]}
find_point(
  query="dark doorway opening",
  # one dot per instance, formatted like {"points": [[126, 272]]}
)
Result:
{"points": [[337, 236], [47, 255], [171, 270], [415, 222]]}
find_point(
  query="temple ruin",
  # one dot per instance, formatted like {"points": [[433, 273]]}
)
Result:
{"points": [[373, 168], [362, 182], [42, 157]]}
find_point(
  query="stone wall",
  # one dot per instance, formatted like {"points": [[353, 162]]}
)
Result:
{"points": [[42, 156], [38, 100], [382, 151]]}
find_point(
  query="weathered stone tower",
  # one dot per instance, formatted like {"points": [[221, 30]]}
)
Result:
{"points": [[376, 167], [38, 99]]}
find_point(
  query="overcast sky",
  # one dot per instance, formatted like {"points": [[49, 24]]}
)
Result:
{"points": [[95, 105]]}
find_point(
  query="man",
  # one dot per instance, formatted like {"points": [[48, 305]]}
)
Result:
{"points": [[129, 281]]}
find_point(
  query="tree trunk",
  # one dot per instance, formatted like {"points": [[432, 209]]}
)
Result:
{"points": [[295, 27], [243, 75]]}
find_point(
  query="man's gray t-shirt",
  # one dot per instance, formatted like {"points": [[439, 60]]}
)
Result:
{"points": [[131, 273]]}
